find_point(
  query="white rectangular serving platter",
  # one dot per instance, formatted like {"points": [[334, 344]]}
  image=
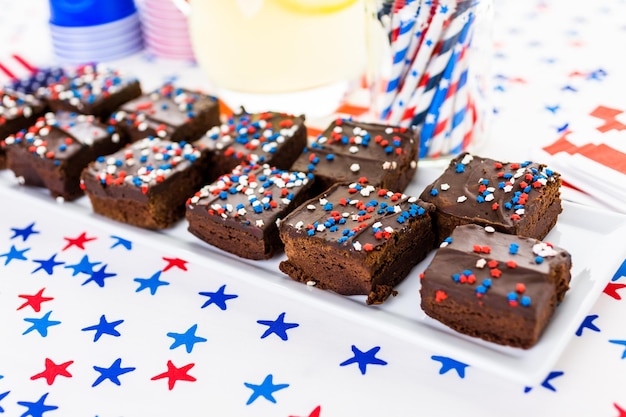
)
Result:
{"points": [[593, 237]]}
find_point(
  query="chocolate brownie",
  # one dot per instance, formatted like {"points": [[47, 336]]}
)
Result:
{"points": [[516, 198], [53, 152], [92, 89], [357, 239], [176, 113], [147, 183], [348, 150], [238, 213], [495, 286], [17, 111], [272, 138]]}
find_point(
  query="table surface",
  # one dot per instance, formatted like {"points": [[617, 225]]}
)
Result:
{"points": [[104, 320]]}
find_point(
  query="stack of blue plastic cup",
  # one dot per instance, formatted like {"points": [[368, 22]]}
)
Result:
{"points": [[94, 30]]}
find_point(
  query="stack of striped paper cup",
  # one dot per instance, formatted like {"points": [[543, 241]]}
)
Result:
{"points": [[94, 30], [165, 30], [438, 77]]}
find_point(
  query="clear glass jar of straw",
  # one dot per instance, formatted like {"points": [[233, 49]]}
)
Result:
{"points": [[430, 67]]}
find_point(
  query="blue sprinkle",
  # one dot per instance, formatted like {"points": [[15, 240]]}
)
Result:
{"points": [[525, 301], [481, 289], [460, 168], [456, 277], [330, 157], [223, 195], [328, 206], [333, 228], [434, 192], [487, 282], [512, 296], [310, 232], [513, 248], [538, 259]]}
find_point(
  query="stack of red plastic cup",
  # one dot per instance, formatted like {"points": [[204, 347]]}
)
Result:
{"points": [[165, 29]]}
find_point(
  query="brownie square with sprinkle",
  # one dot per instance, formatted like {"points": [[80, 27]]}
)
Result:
{"points": [[495, 286], [92, 89], [17, 111], [357, 239], [53, 152], [170, 112], [147, 183], [272, 138], [348, 150], [516, 198], [239, 212]]}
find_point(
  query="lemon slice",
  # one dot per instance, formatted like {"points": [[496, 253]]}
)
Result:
{"points": [[316, 6]]}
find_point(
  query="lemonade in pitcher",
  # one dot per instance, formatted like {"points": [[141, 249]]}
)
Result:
{"points": [[298, 56]]}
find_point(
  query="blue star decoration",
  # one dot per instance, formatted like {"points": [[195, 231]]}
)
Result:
{"points": [[620, 342], [588, 324], [104, 327], [278, 327], [266, 389], [99, 276], [47, 264], [364, 358], [14, 254], [84, 266], [41, 324], [37, 408], [152, 283], [2, 395], [218, 298], [189, 338], [24, 233], [119, 241], [621, 271], [447, 364], [547, 383], [111, 373]]}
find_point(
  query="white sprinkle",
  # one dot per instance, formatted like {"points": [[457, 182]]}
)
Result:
{"points": [[353, 149], [489, 197], [260, 223], [299, 225], [443, 244], [445, 186], [357, 246], [481, 263], [461, 199], [310, 207], [355, 167], [413, 164], [467, 159], [543, 249], [311, 283], [489, 229], [60, 200]]}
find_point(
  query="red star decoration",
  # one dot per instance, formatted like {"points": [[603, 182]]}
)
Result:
{"points": [[34, 300], [175, 262], [79, 242], [622, 412], [53, 370], [174, 374], [611, 290], [316, 412]]}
